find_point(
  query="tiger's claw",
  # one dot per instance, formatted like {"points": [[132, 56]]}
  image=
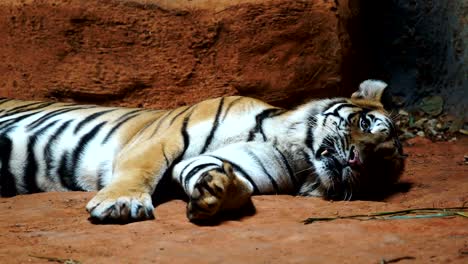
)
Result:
{"points": [[124, 208]]}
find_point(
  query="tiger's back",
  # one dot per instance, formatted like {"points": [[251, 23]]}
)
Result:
{"points": [[59, 147]]}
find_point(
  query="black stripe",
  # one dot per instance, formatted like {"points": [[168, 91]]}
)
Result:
{"points": [[260, 163], [350, 116], [309, 141], [341, 106], [336, 167], [231, 104], [214, 127], [5, 100], [30, 173], [335, 111], [78, 151], [48, 148], [195, 170], [49, 115], [160, 121], [115, 127], [333, 103], [343, 144], [288, 167], [259, 118], [7, 124], [90, 118], [372, 117], [312, 120], [166, 159], [99, 184], [124, 116], [100, 172], [32, 109], [178, 114], [64, 173], [7, 179], [184, 169], [186, 142], [307, 159], [185, 136], [19, 109], [148, 125], [347, 139], [242, 171]]}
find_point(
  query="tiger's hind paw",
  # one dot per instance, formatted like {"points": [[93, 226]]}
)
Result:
{"points": [[211, 191], [127, 208]]}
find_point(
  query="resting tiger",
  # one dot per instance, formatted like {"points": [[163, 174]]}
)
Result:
{"points": [[219, 151]]}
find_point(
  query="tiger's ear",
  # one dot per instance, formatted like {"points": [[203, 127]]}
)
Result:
{"points": [[370, 90]]}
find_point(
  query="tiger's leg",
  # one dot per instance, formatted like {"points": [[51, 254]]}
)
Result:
{"points": [[212, 189], [135, 176]]}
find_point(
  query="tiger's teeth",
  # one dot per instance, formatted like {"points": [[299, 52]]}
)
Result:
{"points": [[324, 153]]}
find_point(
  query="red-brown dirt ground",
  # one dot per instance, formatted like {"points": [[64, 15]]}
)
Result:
{"points": [[55, 225]]}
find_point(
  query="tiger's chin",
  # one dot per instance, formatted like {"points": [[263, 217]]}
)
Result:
{"points": [[374, 178], [339, 187], [333, 185]]}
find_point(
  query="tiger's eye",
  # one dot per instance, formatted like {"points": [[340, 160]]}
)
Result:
{"points": [[364, 124]]}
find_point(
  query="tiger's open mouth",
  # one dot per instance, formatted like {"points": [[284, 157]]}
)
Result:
{"points": [[354, 158], [340, 171], [333, 161]]}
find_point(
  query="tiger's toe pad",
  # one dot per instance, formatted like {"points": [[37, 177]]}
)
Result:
{"points": [[209, 193]]}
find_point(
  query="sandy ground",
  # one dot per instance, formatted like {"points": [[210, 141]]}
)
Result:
{"points": [[54, 227]]}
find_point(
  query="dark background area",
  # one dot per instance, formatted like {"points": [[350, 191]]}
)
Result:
{"points": [[419, 47]]}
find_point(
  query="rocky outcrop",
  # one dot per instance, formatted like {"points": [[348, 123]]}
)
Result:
{"points": [[168, 53]]}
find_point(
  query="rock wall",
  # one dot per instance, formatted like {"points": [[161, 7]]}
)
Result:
{"points": [[419, 47], [168, 53]]}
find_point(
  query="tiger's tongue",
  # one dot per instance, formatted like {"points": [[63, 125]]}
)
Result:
{"points": [[355, 160]]}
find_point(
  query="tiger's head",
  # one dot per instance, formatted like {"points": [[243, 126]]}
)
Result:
{"points": [[353, 146]]}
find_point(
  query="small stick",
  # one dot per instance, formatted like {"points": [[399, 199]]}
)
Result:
{"points": [[423, 213], [59, 260]]}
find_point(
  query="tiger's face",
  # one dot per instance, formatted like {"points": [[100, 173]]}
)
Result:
{"points": [[357, 151]]}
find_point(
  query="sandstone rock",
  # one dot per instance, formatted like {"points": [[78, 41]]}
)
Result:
{"points": [[164, 54]]}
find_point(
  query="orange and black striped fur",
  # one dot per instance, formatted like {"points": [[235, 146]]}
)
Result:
{"points": [[219, 151]]}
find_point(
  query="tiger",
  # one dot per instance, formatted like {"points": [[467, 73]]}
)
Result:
{"points": [[217, 153]]}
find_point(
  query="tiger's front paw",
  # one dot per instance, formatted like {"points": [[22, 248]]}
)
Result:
{"points": [[210, 193], [109, 206]]}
